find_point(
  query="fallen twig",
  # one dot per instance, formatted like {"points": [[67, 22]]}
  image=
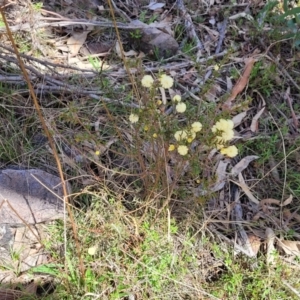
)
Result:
{"points": [[189, 26], [68, 22], [287, 97]]}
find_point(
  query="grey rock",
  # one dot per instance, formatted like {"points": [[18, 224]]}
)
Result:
{"points": [[158, 43], [32, 196], [153, 41]]}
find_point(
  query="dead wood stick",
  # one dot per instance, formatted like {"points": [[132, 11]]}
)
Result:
{"points": [[189, 26], [68, 22]]}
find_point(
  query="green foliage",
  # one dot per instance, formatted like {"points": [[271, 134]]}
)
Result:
{"points": [[37, 6], [136, 34], [284, 19], [121, 260], [142, 251], [145, 19], [255, 280], [2, 25]]}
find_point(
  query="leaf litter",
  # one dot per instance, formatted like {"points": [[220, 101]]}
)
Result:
{"points": [[73, 29]]}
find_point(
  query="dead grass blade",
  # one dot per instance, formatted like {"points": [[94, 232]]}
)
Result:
{"points": [[246, 189]]}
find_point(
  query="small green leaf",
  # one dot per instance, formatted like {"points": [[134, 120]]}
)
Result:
{"points": [[50, 269]]}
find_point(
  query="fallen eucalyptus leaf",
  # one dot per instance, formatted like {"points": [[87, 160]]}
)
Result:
{"points": [[254, 123], [242, 164], [289, 247], [76, 41], [154, 6], [246, 189], [237, 120], [287, 201], [270, 235]]}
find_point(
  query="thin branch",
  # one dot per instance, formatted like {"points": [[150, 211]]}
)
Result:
{"points": [[189, 26]]}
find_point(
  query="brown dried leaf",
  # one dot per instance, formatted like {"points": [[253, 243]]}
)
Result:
{"points": [[155, 5], [269, 201], [212, 94], [76, 41], [254, 242], [289, 247], [287, 201], [288, 215], [165, 25], [254, 123], [241, 84], [277, 202], [246, 189], [243, 164], [237, 120], [126, 54], [221, 176]]}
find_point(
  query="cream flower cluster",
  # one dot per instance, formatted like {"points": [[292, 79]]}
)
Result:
{"points": [[165, 81], [230, 151], [224, 130], [180, 106], [147, 81], [133, 118], [186, 135]]}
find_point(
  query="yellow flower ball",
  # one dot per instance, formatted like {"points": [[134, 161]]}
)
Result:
{"points": [[171, 147], [154, 135], [181, 135], [176, 98], [97, 152], [196, 127], [166, 81], [92, 250], [191, 136], [230, 151], [223, 125], [147, 81], [183, 150], [158, 102], [216, 67], [181, 107], [227, 135], [133, 118]]}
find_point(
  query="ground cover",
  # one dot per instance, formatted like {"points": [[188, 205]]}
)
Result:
{"points": [[177, 125]]}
